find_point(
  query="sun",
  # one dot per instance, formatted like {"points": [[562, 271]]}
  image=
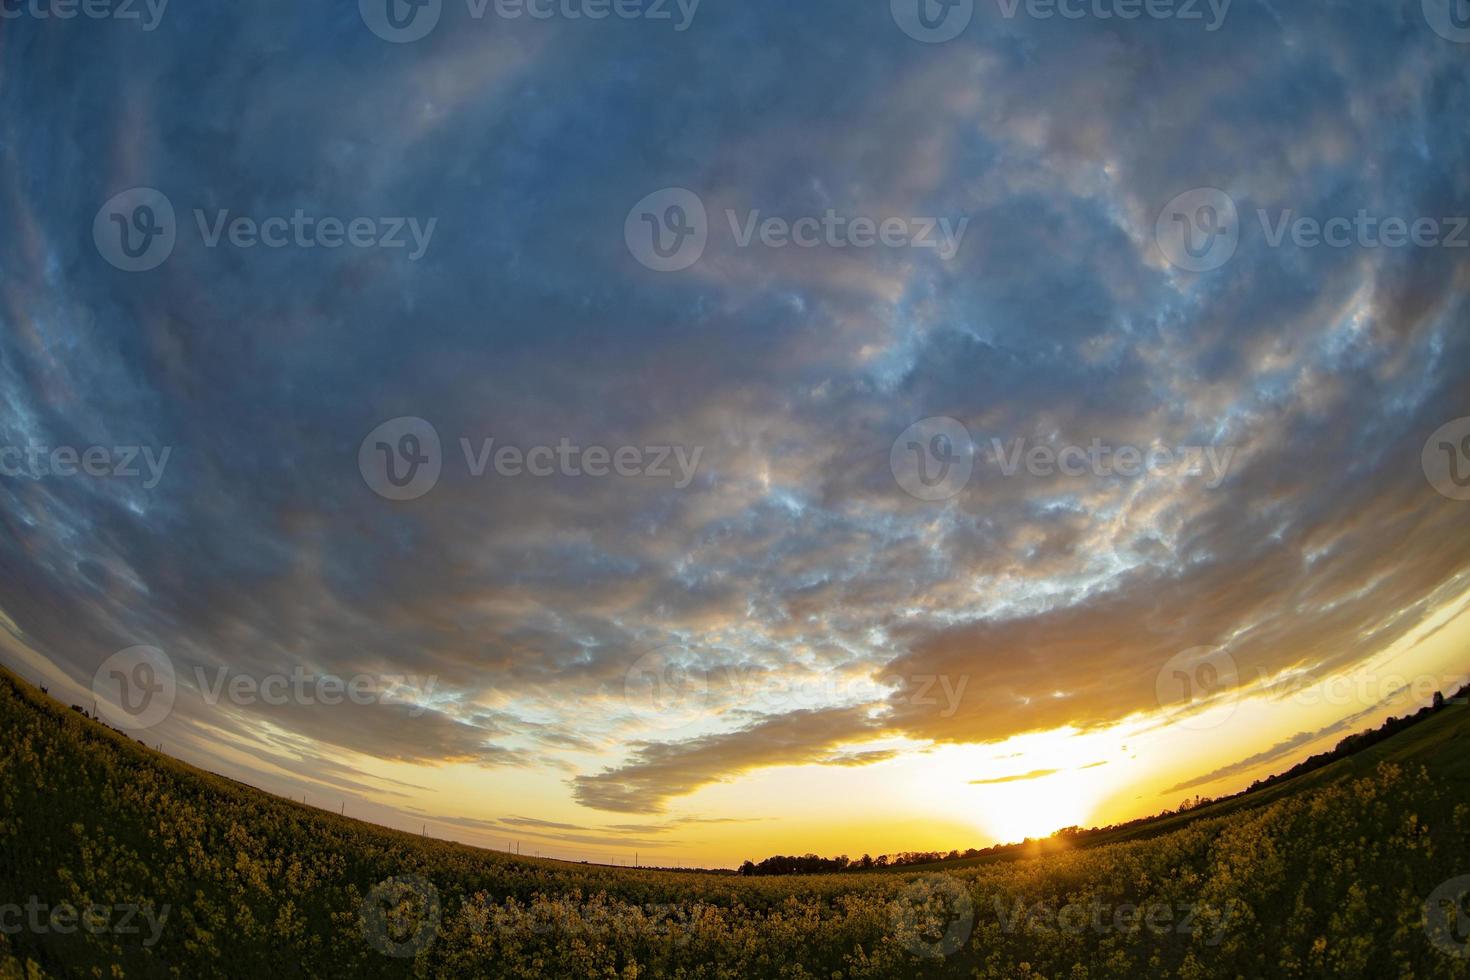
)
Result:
{"points": [[1035, 807], [1029, 787]]}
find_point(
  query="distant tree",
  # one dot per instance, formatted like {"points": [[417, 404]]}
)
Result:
{"points": [[812, 864]]}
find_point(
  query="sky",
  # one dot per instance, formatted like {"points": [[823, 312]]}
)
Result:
{"points": [[724, 429]]}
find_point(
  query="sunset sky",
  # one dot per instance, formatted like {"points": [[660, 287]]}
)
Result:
{"points": [[773, 642]]}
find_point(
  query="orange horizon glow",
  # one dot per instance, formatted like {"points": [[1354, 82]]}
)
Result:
{"points": [[927, 797]]}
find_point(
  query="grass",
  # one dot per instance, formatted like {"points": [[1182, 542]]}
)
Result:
{"points": [[1326, 874]]}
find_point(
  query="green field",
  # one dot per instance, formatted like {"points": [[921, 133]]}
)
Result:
{"points": [[120, 862]]}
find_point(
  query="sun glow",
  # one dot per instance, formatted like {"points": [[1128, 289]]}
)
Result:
{"points": [[1029, 786], [1036, 807]]}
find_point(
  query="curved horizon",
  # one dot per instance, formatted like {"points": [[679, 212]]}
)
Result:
{"points": [[741, 432]]}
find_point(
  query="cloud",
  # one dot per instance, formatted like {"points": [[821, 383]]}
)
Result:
{"points": [[661, 771], [1033, 774], [794, 574], [1021, 778], [1283, 749], [571, 835], [868, 758]]}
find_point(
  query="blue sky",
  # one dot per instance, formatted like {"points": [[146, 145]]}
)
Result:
{"points": [[791, 554]]}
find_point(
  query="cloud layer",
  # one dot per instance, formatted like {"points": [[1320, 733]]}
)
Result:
{"points": [[811, 601]]}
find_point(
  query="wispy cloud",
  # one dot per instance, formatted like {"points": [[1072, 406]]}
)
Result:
{"points": [[817, 600]]}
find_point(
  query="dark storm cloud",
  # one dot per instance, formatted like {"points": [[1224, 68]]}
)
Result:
{"points": [[792, 552]]}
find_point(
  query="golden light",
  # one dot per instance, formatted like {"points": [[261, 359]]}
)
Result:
{"points": [[1036, 807]]}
